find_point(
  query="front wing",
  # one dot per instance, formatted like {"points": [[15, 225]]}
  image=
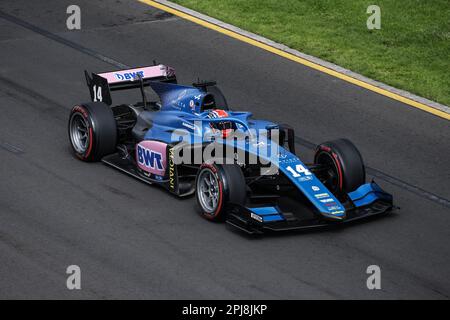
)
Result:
{"points": [[367, 201]]}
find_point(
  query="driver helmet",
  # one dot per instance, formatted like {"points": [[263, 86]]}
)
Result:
{"points": [[226, 127]]}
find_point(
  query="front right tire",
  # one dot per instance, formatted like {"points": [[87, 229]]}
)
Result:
{"points": [[346, 171]]}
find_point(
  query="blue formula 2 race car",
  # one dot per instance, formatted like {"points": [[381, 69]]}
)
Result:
{"points": [[241, 170]]}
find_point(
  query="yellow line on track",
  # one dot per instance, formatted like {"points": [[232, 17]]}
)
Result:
{"points": [[302, 61]]}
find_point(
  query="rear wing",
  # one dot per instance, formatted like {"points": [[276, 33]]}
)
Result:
{"points": [[101, 84]]}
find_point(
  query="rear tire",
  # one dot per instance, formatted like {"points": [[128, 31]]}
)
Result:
{"points": [[92, 131], [347, 171], [228, 186]]}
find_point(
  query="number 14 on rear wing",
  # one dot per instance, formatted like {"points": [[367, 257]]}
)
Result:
{"points": [[101, 84]]}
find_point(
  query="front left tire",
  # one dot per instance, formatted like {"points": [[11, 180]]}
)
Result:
{"points": [[216, 187]]}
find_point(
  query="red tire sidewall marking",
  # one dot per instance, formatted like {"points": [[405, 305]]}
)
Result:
{"points": [[325, 148], [215, 171], [338, 164], [91, 137]]}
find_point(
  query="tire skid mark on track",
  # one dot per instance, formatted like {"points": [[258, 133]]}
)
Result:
{"points": [[61, 40], [411, 188], [372, 171], [11, 148], [119, 192], [30, 97], [113, 25], [58, 177], [299, 57]]}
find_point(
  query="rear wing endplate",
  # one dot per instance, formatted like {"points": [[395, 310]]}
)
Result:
{"points": [[101, 84]]}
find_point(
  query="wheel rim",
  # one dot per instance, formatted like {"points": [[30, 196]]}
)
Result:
{"points": [[331, 180], [208, 191], [79, 133]]}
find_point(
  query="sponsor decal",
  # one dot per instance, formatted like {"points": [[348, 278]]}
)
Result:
{"points": [[337, 212], [256, 217], [321, 195], [334, 208], [327, 200], [129, 76], [192, 104], [150, 158], [188, 125], [307, 178], [171, 170], [178, 102], [315, 188], [288, 160]]}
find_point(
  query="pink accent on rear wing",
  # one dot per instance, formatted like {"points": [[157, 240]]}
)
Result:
{"points": [[133, 74]]}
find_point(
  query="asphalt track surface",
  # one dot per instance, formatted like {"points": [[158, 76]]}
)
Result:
{"points": [[132, 240]]}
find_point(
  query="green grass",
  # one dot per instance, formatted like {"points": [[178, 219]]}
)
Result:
{"points": [[411, 51]]}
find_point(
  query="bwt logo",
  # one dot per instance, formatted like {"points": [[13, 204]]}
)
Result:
{"points": [[150, 158], [129, 75]]}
